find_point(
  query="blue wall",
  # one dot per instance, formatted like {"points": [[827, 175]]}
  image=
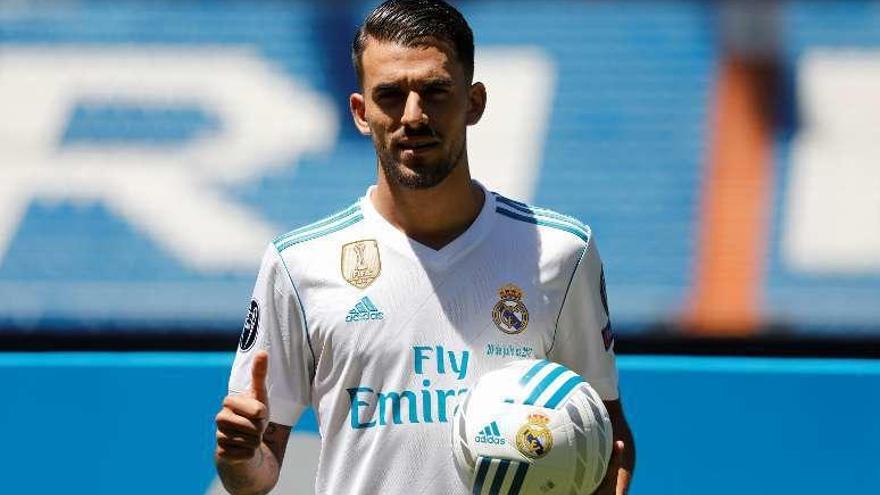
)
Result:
{"points": [[141, 423]]}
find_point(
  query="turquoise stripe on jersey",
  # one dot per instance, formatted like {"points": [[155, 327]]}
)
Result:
{"points": [[534, 371], [538, 211], [568, 386], [481, 475], [500, 473], [308, 236], [302, 310], [546, 223], [543, 384], [495, 431], [319, 224], [518, 478]]}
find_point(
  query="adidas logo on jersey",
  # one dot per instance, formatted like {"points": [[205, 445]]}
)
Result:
{"points": [[364, 310], [490, 434]]}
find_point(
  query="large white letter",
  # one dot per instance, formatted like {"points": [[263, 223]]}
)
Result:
{"points": [[832, 222], [173, 193], [506, 146]]}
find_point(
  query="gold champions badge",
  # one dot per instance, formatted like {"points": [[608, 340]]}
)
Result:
{"points": [[510, 314], [534, 439], [360, 263]]}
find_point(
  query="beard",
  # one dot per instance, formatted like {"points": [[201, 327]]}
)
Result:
{"points": [[419, 174]]}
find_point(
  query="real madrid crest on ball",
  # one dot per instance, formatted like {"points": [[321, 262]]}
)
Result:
{"points": [[510, 314], [360, 263], [534, 439]]}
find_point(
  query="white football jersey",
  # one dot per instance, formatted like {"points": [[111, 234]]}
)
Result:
{"points": [[382, 335]]}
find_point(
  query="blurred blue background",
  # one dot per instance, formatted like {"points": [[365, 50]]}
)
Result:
{"points": [[621, 137], [150, 149]]}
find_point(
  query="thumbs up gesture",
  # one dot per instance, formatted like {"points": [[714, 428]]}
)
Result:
{"points": [[243, 418]]}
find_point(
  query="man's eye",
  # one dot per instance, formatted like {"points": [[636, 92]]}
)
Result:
{"points": [[388, 95], [436, 92]]}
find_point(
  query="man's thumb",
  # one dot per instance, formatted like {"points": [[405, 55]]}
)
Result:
{"points": [[258, 377]]}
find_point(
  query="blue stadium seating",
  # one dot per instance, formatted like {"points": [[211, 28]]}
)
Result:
{"points": [[624, 151]]}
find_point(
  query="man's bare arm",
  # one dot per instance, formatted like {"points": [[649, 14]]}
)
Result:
{"points": [[250, 450], [623, 457], [259, 474], [275, 438]]}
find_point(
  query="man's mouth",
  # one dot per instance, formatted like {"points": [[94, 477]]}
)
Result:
{"points": [[417, 146]]}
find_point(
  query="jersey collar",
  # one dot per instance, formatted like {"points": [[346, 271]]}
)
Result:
{"points": [[429, 257]]}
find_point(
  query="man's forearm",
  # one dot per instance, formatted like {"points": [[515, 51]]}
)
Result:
{"points": [[624, 457], [628, 461], [255, 477]]}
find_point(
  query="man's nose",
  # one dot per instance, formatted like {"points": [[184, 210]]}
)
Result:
{"points": [[413, 113]]}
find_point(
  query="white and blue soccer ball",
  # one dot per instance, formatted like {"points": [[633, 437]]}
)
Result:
{"points": [[532, 427]]}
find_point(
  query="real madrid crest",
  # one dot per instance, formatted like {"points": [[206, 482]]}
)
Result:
{"points": [[360, 263], [510, 314], [534, 439]]}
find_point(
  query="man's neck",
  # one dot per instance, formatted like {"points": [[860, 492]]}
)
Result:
{"points": [[435, 216]]}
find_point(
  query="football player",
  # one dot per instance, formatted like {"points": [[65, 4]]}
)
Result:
{"points": [[380, 316]]}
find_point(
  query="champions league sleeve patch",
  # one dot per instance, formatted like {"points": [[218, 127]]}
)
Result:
{"points": [[608, 336], [251, 325], [607, 332]]}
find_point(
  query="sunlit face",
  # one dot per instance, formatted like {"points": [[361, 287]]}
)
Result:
{"points": [[416, 105]]}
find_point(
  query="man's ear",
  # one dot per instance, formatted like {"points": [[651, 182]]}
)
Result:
{"points": [[476, 103], [358, 109]]}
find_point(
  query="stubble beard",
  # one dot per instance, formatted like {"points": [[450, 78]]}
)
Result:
{"points": [[419, 175]]}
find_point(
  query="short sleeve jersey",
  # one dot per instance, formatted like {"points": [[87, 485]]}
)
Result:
{"points": [[382, 336]]}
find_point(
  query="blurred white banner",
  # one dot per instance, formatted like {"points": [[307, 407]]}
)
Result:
{"points": [[832, 223], [172, 193]]}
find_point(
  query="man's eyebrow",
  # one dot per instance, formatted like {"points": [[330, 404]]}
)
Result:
{"points": [[388, 86], [439, 82]]}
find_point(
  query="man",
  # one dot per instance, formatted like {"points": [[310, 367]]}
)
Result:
{"points": [[381, 316]]}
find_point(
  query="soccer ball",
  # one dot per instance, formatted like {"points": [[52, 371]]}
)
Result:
{"points": [[533, 426]]}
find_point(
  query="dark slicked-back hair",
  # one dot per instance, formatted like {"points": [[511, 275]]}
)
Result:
{"points": [[416, 23]]}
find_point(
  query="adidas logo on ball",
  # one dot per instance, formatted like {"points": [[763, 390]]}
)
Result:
{"points": [[490, 434]]}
